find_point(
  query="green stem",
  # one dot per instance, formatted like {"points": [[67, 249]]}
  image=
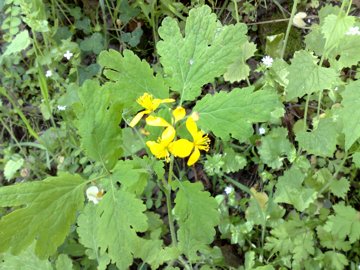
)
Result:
{"points": [[236, 11], [167, 191], [289, 27], [224, 5], [319, 104], [306, 111], [153, 23], [102, 6]]}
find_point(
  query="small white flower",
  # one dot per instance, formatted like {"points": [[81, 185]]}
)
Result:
{"points": [[48, 73], [94, 194], [61, 108], [353, 31], [267, 61], [336, 88], [68, 55], [229, 189], [262, 131], [298, 19]]}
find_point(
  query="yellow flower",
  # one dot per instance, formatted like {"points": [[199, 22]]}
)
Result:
{"points": [[150, 104], [160, 148], [183, 148]]}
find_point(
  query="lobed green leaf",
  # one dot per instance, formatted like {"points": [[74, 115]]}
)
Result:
{"points": [[119, 218], [350, 113], [320, 141], [306, 77], [289, 189], [204, 52], [274, 146], [50, 208], [98, 124], [130, 77], [232, 114], [196, 214]]}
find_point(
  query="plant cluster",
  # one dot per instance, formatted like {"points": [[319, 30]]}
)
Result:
{"points": [[177, 164]]}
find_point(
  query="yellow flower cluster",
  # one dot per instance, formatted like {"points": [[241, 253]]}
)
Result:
{"points": [[167, 144]]}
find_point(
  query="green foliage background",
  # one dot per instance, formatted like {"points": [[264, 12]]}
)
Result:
{"points": [[278, 189]]}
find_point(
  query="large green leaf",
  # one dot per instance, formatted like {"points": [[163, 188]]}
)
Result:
{"points": [[335, 28], [239, 70], [315, 40], [274, 146], [347, 53], [119, 217], [289, 189], [350, 113], [131, 175], [321, 141], [344, 223], [130, 77], [49, 208], [88, 235], [306, 77], [204, 53], [234, 113], [335, 260], [26, 260], [98, 124], [196, 214]]}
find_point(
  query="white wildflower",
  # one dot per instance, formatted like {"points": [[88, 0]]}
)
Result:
{"points": [[353, 31], [298, 19], [267, 61], [68, 55], [229, 189], [94, 194], [61, 108], [48, 73], [262, 131]]}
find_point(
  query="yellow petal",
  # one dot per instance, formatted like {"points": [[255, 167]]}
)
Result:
{"points": [[145, 101], [179, 113], [155, 104], [157, 149], [156, 121], [192, 127], [194, 157], [137, 118], [168, 136], [181, 148]]}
